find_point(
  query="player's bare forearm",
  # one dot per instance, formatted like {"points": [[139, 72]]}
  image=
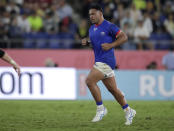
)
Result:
{"points": [[121, 39]]}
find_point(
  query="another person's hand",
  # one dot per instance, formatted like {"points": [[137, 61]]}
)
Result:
{"points": [[9, 60], [106, 46], [17, 69], [15, 66]]}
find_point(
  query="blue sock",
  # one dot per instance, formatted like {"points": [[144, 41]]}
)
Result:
{"points": [[99, 103], [125, 106]]}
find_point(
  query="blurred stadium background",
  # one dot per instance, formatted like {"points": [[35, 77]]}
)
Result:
{"points": [[59, 24], [47, 33]]}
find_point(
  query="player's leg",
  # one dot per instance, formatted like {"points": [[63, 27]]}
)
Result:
{"points": [[111, 85], [91, 81]]}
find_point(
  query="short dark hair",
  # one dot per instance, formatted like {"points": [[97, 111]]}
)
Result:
{"points": [[96, 6]]}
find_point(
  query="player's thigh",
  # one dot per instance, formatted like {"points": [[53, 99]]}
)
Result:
{"points": [[94, 75], [110, 83]]}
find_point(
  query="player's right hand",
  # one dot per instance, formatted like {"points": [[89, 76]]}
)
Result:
{"points": [[84, 41]]}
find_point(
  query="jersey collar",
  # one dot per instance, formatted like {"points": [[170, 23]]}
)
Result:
{"points": [[96, 25]]}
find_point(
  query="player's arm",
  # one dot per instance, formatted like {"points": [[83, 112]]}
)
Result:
{"points": [[121, 38], [9, 60]]}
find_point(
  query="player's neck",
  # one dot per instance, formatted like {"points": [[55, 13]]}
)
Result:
{"points": [[100, 22]]}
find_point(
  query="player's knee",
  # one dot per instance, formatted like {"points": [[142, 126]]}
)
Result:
{"points": [[89, 82]]}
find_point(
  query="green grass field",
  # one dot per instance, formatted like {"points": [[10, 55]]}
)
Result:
{"points": [[76, 116]]}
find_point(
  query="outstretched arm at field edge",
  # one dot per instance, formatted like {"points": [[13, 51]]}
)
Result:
{"points": [[9, 60], [121, 38]]}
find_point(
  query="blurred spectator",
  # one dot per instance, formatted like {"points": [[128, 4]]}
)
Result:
{"points": [[72, 26], [82, 32], [65, 36], [119, 14], [115, 4], [26, 8], [141, 35], [167, 8], [150, 8], [168, 60], [85, 7], [135, 14], [23, 23], [14, 28], [127, 19], [169, 24], [19, 2], [2, 7], [126, 3], [108, 14], [50, 21], [152, 66], [104, 3], [4, 29], [140, 4], [45, 4], [35, 21], [127, 28], [6, 18], [148, 22], [37, 8], [64, 10], [12, 7], [15, 33], [83, 29], [50, 63], [39, 1], [129, 45], [157, 23], [3, 35]]}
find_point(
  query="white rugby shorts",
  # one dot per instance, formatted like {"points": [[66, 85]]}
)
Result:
{"points": [[105, 69]]}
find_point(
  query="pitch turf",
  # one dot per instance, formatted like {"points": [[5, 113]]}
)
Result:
{"points": [[76, 116]]}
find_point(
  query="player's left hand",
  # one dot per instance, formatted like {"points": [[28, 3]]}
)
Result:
{"points": [[106, 46]]}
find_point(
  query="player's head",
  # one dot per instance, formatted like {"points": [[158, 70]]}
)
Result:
{"points": [[95, 13]]}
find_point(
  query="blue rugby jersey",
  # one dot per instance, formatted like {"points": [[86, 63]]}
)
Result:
{"points": [[104, 33]]}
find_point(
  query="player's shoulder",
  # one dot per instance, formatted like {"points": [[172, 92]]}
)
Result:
{"points": [[106, 22], [110, 24]]}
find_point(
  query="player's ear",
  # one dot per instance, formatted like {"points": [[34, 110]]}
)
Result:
{"points": [[101, 14]]}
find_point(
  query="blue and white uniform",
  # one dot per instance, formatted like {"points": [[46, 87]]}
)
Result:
{"points": [[106, 32]]}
